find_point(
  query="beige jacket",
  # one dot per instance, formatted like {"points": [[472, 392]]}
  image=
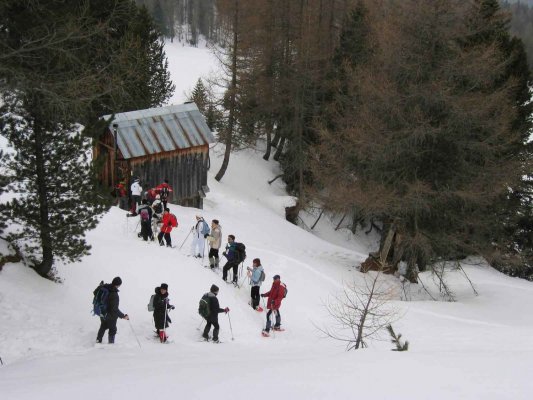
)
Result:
{"points": [[215, 239]]}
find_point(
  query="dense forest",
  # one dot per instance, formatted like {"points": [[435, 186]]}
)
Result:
{"points": [[522, 24], [412, 115]]}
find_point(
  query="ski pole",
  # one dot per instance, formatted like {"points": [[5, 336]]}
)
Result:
{"points": [[273, 323], [203, 251], [164, 324], [230, 328], [200, 326], [185, 239], [132, 331]]}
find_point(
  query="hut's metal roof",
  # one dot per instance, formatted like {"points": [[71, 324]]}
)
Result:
{"points": [[156, 130]]}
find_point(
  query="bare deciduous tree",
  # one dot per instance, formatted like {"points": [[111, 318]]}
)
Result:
{"points": [[360, 312]]}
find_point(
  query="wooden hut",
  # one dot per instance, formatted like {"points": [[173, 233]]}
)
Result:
{"points": [[155, 144]]}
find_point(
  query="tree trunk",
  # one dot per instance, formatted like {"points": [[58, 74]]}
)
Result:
{"points": [[233, 88], [44, 222], [269, 141], [279, 150]]}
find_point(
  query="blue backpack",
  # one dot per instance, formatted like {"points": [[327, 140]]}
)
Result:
{"points": [[101, 295], [205, 228]]}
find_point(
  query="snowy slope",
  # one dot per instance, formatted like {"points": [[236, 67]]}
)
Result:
{"points": [[477, 347]]}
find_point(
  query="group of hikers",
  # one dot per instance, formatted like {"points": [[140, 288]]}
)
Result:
{"points": [[153, 211], [106, 306]]}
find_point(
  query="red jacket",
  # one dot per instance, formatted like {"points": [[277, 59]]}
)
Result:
{"points": [[167, 223], [158, 189], [275, 295], [121, 190]]}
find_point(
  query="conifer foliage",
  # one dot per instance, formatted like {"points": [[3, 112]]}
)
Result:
{"points": [[55, 201], [63, 64]]}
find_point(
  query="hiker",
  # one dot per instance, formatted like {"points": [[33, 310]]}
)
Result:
{"points": [[150, 195], [169, 221], [158, 208], [136, 193], [161, 307], [122, 195], [164, 191], [233, 260], [214, 310], [145, 213], [215, 240], [275, 295], [198, 238], [113, 312], [257, 276]]}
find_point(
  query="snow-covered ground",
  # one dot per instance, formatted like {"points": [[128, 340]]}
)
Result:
{"points": [[479, 347], [186, 66]]}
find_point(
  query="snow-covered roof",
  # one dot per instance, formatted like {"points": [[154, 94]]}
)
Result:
{"points": [[157, 130]]}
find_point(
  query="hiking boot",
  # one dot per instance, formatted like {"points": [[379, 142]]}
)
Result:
{"points": [[206, 337], [265, 334], [277, 328], [216, 340], [98, 340]]}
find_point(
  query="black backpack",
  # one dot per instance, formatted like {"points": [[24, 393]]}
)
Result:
{"points": [[240, 252], [101, 296], [164, 192], [203, 306], [158, 208]]}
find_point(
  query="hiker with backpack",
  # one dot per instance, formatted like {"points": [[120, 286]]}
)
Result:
{"points": [[275, 295], [161, 306], [136, 194], [209, 309], [198, 238], [215, 240], [169, 221], [257, 276], [122, 195], [164, 191], [145, 213], [235, 253], [106, 302], [158, 208]]}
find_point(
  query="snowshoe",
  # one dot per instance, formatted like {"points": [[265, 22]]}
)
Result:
{"points": [[265, 334], [278, 329], [259, 309]]}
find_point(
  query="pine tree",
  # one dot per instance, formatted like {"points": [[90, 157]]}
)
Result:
{"points": [[56, 201], [64, 63]]}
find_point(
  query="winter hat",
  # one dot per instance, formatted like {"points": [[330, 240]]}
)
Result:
{"points": [[214, 288], [116, 281], [276, 277], [257, 261], [164, 286]]}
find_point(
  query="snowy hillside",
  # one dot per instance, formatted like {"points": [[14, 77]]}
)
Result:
{"points": [[479, 347]]}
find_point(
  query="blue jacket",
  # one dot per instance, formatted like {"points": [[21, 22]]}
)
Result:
{"points": [[255, 279]]}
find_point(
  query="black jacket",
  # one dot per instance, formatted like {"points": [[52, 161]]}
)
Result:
{"points": [[113, 312], [214, 307], [159, 309]]}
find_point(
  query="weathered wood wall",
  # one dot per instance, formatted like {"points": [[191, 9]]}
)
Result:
{"points": [[186, 170], [186, 173]]}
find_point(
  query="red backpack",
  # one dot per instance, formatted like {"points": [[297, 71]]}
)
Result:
{"points": [[173, 220]]}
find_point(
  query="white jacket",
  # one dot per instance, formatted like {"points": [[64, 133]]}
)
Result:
{"points": [[136, 189]]}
